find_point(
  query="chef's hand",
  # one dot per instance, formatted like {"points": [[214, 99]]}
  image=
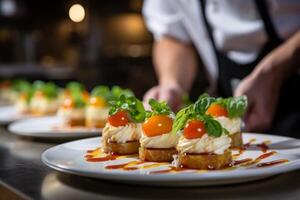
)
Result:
{"points": [[172, 94], [262, 95], [262, 86]]}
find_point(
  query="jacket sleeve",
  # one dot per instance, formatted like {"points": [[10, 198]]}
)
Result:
{"points": [[162, 18]]}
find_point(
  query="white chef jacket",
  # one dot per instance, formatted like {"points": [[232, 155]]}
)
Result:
{"points": [[238, 29]]}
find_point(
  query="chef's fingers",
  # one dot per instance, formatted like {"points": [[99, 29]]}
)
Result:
{"points": [[173, 96], [257, 119], [150, 94]]}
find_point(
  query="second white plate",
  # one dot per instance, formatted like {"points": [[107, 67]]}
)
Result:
{"points": [[9, 114], [50, 127]]}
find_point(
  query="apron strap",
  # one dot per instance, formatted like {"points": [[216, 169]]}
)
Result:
{"points": [[264, 13], [208, 27]]}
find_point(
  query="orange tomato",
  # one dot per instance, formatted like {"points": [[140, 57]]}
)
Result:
{"points": [[68, 103], [97, 102], [118, 119], [85, 96], [216, 110], [194, 129], [23, 96], [157, 125], [39, 94]]}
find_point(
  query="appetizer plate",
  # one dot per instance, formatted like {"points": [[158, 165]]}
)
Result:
{"points": [[71, 158], [9, 114], [50, 127]]}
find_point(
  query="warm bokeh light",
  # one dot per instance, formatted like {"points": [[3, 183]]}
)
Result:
{"points": [[77, 13]]}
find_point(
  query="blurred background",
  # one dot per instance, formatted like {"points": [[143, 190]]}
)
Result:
{"points": [[94, 42]]}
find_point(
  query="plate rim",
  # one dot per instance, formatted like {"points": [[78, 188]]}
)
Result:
{"points": [[262, 173], [50, 134]]}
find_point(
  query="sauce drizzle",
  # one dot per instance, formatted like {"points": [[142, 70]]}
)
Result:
{"points": [[272, 163], [97, 155], [264, 146]]}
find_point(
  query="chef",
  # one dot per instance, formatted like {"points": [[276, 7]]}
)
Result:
{"points": [[248, 47]]}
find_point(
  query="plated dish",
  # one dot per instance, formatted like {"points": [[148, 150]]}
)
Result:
{"points": [[28, 100], [74, 104], [192, 146]]}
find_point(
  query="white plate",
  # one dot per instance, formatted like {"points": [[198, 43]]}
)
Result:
{"points": [[69, 158], [50, 127], [9, 114]]}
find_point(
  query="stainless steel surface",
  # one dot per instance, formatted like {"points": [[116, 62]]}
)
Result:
{"points": [[22, 171]]}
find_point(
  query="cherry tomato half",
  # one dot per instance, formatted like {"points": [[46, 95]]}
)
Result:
{"points": [[118, 119], [194, 129]]}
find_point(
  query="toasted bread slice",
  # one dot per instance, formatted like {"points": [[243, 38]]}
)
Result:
{"points": [[130, 147], [236, 140], [205, 161], [157, 155], [76, 122], [94, 123], [39, 112]]}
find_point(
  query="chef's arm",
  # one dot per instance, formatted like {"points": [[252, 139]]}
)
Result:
{"points": [[282, 61], [175, 62], [175, 65], [263, 85]]}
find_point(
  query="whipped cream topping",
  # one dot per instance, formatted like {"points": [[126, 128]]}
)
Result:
{"points": [[231, 125], [22, 106], [122, 134], [71, 113], [44, 105], [167, 140], [93, 112], [205, 144]]}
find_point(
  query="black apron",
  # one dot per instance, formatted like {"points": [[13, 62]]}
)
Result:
{"points": [[287, 117]]}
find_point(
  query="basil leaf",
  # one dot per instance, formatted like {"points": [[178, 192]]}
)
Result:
{"points": [[78, 99], [100, 91], [37, 85], [50, 90], [117, 91], [181, 118], [159, 108], [75, 86], [236, 106], [203, 103], [132, 105], [213, 127]]}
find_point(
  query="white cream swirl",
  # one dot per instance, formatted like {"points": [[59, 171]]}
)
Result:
{"points": [[71, 113], [44, 105], [205, 144], [167, 140], [22, 106], [122, 134], [231, 125], [96, 113]]}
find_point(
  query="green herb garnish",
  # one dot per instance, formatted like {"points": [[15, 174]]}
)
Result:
{"points": [[101, 91], [50, 90], [158, 108], [132, 105], [235, 106], [117, 91], [75, 86], [78, 99], [203, 103], [213, 127]]}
